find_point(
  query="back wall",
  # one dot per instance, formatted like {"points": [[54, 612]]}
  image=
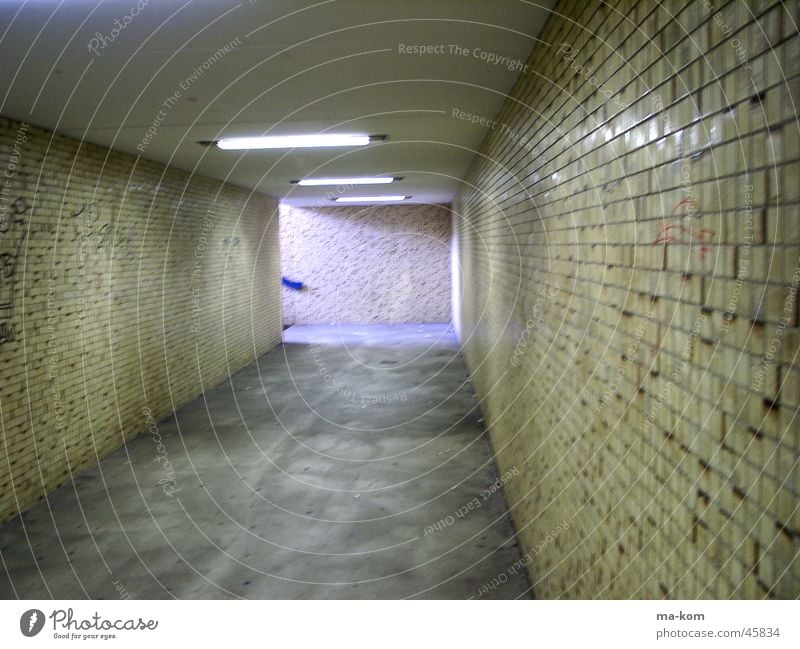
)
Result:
{"points": [[371, 264]]}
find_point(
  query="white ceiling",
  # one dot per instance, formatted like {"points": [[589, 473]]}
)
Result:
{"points": [[301, 66]]}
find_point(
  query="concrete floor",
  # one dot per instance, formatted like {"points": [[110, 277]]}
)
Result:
{"points": [[316, 472]]}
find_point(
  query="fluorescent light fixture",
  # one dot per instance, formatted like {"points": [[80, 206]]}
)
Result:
{"points": [[365, 180], [370, 199], [294, 141]]}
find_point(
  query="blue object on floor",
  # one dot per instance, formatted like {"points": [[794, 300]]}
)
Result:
{"points": [[296, 286]]}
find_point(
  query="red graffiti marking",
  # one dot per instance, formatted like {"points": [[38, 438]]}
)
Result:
{"points": [[678, 233], [690, 208]]}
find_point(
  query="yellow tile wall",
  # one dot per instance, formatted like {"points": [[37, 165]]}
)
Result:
{"points": [[126, 288], [630, 257]]}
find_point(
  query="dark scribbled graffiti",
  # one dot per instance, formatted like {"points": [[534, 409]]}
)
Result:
{"points": [[12, 237], [93, 233], [88, 230]]}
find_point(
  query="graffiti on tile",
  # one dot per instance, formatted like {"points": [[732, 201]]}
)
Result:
{"points": [[12, 237], [700, 239]]}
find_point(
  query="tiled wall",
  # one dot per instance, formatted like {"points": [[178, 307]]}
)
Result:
{"points": [[630, 262], [122, 283], [387, 264]]}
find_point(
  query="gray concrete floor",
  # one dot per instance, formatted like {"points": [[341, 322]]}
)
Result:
{"points": [[316, 472]]}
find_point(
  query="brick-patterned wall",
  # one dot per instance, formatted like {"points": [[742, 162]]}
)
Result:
{"points": [[630, 258], [122, 283], [385, 263]]}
